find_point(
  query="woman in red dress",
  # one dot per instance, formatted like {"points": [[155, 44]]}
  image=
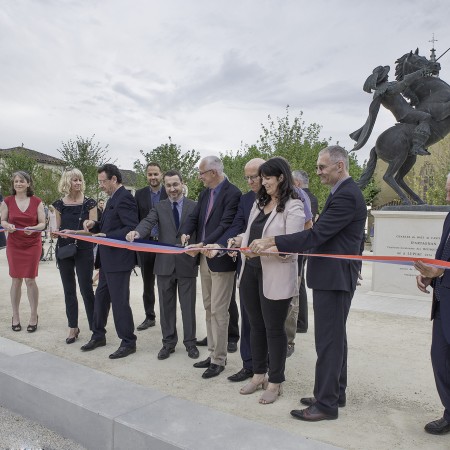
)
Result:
{"points": [[22, 210]]}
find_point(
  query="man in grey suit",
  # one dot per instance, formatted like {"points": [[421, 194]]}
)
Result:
{"points": [[172, 271]]}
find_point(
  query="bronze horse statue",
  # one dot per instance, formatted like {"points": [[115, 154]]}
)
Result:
{"points": [[428, 94]]}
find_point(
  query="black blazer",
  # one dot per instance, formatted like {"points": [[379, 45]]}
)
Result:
{"points": [[144, 201], [219, 220], [119, 217], [339, 230], [445, 285], [314, 203]]}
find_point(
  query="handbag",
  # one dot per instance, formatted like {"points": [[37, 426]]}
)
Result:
{"points": [[69, 250]]}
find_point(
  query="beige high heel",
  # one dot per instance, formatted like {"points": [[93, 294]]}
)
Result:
{"points": [[251, 387], [270, 396]]}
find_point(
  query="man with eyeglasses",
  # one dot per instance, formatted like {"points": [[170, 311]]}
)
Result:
{"points": [[213, 215], [239, 225], [339, 230]]}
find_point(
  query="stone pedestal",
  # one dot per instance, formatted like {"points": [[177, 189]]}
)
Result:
{"points": [[402, 232]]}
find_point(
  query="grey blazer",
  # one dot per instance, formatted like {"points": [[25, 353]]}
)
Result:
{"points": [[161, 215]]}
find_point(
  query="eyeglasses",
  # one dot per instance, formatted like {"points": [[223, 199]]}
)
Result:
{"points": [[203, 173], [103, 181], [322, 167], [251, 177]]}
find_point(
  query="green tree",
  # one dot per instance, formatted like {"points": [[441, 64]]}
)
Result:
{"points": [[428, 178], [87, 156], [170, 156], [45, 180], [296, 141]]}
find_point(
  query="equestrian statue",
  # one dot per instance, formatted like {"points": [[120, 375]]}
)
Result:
{"points": [[423, 120]]}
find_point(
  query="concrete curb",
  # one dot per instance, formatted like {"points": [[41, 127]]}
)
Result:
{"points": [[101, 411]]}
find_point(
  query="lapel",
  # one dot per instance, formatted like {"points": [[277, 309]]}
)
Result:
{"points": [[184, 211], [270, 218], [110, 204], [217, 199], [167, 205]]}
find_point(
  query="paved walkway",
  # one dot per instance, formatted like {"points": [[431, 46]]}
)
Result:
{"points": [[391, 391]]}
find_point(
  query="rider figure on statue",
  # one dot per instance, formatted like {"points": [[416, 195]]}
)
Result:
{"points": [[389, 94]]}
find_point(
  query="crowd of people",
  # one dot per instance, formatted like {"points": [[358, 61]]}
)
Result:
{"points": [[276, 219]]}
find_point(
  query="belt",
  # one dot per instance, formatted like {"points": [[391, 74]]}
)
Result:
{"points": [[153, 238]]}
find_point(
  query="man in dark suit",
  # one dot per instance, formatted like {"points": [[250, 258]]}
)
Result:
{"points": [[213, 215], [239, 225], [172, 271], [339, 230], [301, 180], [146, 199], [116, 264], [439, 279]]}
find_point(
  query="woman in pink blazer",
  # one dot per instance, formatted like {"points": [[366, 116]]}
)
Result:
{"points": [[268, 283]]}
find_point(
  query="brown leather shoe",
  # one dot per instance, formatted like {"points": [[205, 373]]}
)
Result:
{"points": [[308, 401], [312, 414]]}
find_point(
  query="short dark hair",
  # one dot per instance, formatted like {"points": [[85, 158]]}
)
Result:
{"points": [[172, 173], [275, 167], [111, 170], [25, 176], [153, 164]]}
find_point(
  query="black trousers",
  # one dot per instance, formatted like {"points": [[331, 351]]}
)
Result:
{"points": [[440, 359], [114, 290], [83, 264], [267, 318], [147, 262], [302, 319], [331, 310], [233, 324]]}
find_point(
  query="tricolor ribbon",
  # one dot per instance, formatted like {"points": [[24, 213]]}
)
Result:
{"points": [[141, 245]]}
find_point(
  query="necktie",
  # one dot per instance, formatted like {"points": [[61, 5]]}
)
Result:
{"points": [[444, 257], [208, 211], [176, 215]]}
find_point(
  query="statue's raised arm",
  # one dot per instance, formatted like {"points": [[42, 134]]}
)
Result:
{"points": [[389, 94]]}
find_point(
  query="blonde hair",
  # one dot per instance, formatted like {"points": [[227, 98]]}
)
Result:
{"points": [[65, 183]]}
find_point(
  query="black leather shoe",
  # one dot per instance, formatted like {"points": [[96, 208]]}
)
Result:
{"points": [[202, 343], [232, 347], [212, 371], [93, 343], [122, 352], [165, 352], [203, 364], [308, 401], [440, 426], [242, 375], [193, 352], [147, 323], [311, 414]]}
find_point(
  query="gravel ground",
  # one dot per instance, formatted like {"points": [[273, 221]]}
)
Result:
{"points": [[16, 433]]}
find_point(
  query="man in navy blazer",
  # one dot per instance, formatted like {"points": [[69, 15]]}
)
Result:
{"points": [[146, 199], [439, 279], [339, 230], [213, 215], [120, 217], [239, 225]]}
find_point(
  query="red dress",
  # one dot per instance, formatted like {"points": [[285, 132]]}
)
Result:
{"points": [[23, 251]]}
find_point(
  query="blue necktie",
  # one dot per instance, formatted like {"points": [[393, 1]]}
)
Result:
{"points": [[444, 257], [176, 215]]}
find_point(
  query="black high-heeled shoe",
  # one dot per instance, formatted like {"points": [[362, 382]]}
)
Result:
{"points": [[71, 340], [17, 327], [33, 328]]}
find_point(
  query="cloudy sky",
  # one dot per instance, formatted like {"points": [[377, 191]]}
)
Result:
{"points": [[207, 73]]}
